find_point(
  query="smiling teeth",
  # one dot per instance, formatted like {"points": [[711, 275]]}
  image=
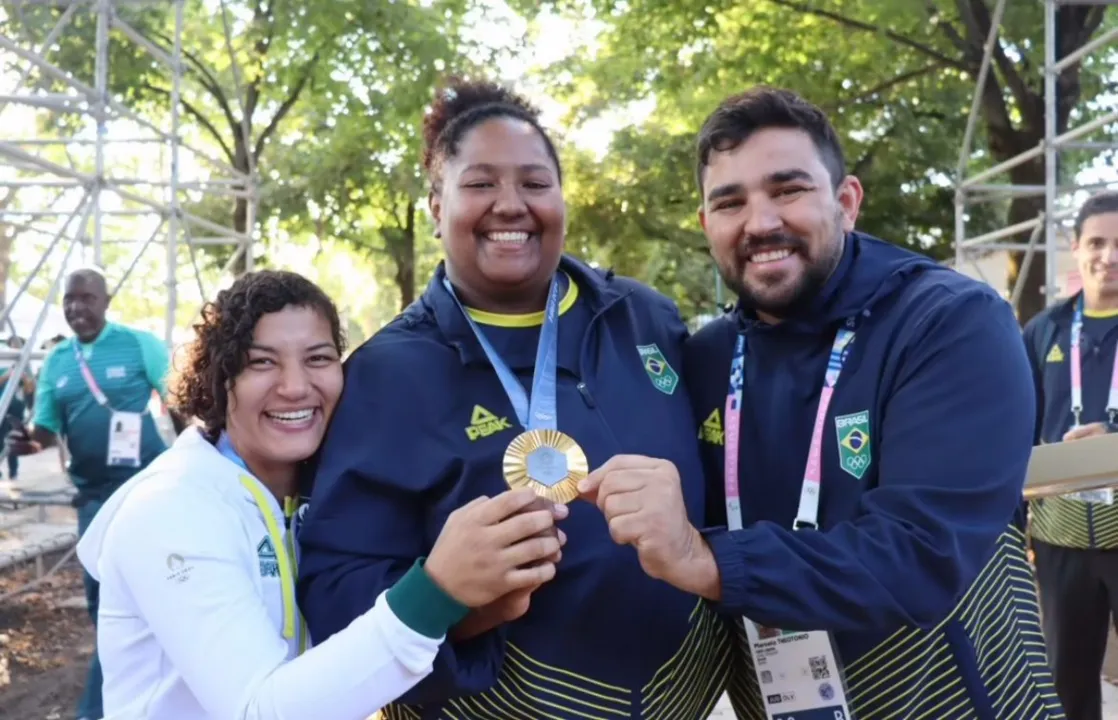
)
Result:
{"points": [[769, 256], [292, 417], [508, 237]]}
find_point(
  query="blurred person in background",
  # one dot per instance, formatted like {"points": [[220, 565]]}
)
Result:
{"points": [[94, 389], [21, 402], [1075, 537]]}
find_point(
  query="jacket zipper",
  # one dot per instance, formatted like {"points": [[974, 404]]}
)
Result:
{"points": [[584, 387]]}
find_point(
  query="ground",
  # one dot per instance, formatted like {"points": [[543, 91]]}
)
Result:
{"points": [[46, 640]]}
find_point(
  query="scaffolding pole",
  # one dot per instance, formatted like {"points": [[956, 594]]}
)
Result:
{"points": [[107, 192], [101, 192], [1045, 229]]}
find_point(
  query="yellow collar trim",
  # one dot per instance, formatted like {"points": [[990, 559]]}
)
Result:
{"points": [[525, 320], [1101, 313]]}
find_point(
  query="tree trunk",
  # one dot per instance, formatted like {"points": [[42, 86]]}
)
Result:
{"points": [[1021, 209], [240, 225], [240, 204], [401, 246]]}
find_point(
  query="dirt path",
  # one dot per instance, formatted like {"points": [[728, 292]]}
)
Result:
{"points": [[46, 639]]}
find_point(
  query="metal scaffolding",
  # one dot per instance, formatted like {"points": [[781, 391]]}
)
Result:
{"points": [[1046, 229], [79, 204], [78, 185]]}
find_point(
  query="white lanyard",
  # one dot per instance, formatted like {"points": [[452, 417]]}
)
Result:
{"points": [[808, 514], [1105, 496], [1076, 368], [798, 673]]}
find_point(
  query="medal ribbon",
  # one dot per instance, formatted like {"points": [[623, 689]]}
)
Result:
{"points": [[292, 620], [1077, 372], [539, 412], [808, 513]]}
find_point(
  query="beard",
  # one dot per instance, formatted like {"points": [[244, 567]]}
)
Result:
{"points": [[783, 296]]}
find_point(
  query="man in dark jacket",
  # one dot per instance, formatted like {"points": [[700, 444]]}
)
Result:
{"points": [[867, 419], [1071, 349]]}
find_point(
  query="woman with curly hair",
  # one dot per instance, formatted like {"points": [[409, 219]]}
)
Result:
{"points": [[519, 365], [196, 555]]}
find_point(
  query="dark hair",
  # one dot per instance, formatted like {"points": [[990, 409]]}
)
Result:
{"points": [[461, 105], [220, 349], [1100, 204], [739, 116]]}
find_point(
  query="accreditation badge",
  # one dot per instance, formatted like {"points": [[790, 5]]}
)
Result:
{"points": [[798, 674]]}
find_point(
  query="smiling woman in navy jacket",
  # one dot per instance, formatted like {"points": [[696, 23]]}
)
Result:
{"points": [[867, 416], [426, 417]]}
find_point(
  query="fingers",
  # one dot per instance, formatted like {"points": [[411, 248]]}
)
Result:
{"points": [[625, 530], [526, 577], [1085, 431], [507, 503], [589, 487], [622, 503], [530, 551], [522, 526], [619, 482]]}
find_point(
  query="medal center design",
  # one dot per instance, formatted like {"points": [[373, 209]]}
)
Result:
{"points": [[547, 466]]}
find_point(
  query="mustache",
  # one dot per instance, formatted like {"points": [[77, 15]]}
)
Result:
{"points": [[772, 241]]}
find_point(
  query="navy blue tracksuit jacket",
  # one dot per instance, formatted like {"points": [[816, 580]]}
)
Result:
{"points": [[421, 430], [919, 565]]}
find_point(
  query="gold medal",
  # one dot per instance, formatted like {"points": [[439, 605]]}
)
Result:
{"points": [[549, 462]]}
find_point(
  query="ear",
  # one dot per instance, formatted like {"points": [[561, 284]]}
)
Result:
{"points": [[435, 205], [849, 196]]}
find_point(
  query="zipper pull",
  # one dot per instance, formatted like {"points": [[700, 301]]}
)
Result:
{"points": [[586, 396]]}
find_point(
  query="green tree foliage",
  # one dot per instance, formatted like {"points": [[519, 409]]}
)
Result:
{"points": [[350, 167], [311, 97], [896, 76]]}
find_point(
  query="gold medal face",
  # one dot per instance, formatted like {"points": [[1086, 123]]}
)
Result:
{"points": [[549, 462]]}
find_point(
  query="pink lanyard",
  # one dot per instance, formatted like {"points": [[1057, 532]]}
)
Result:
{"points": [[1076, 373], [808, 513], [87, 374]]}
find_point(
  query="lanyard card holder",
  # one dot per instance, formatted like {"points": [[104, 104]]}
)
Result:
{"points": [[798, 672]]}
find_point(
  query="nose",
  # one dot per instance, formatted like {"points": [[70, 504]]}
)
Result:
{"points": [[1110, 254], [294, 382], [509, 202], [762, 217]]}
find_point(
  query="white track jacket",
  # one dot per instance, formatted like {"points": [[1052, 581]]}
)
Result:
{"points": [[195, 621]]}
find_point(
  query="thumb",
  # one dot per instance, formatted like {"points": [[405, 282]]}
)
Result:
{"points": [[589, 485]]}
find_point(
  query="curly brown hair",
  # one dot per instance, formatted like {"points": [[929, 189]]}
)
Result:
{"points": [[462, 104], [222, 339]]}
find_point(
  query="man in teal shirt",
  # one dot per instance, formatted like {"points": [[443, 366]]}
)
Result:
{"points": [[94, 389]]}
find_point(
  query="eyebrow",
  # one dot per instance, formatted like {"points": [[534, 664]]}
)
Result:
{"points": [[722, 191], [783, 176], [489, 167], [268, 348], [775, 178]]}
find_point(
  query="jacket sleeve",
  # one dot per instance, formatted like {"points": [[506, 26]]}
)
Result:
{"points": [[369, 519], [1034, 330], [209, 619], [955, 439]]}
